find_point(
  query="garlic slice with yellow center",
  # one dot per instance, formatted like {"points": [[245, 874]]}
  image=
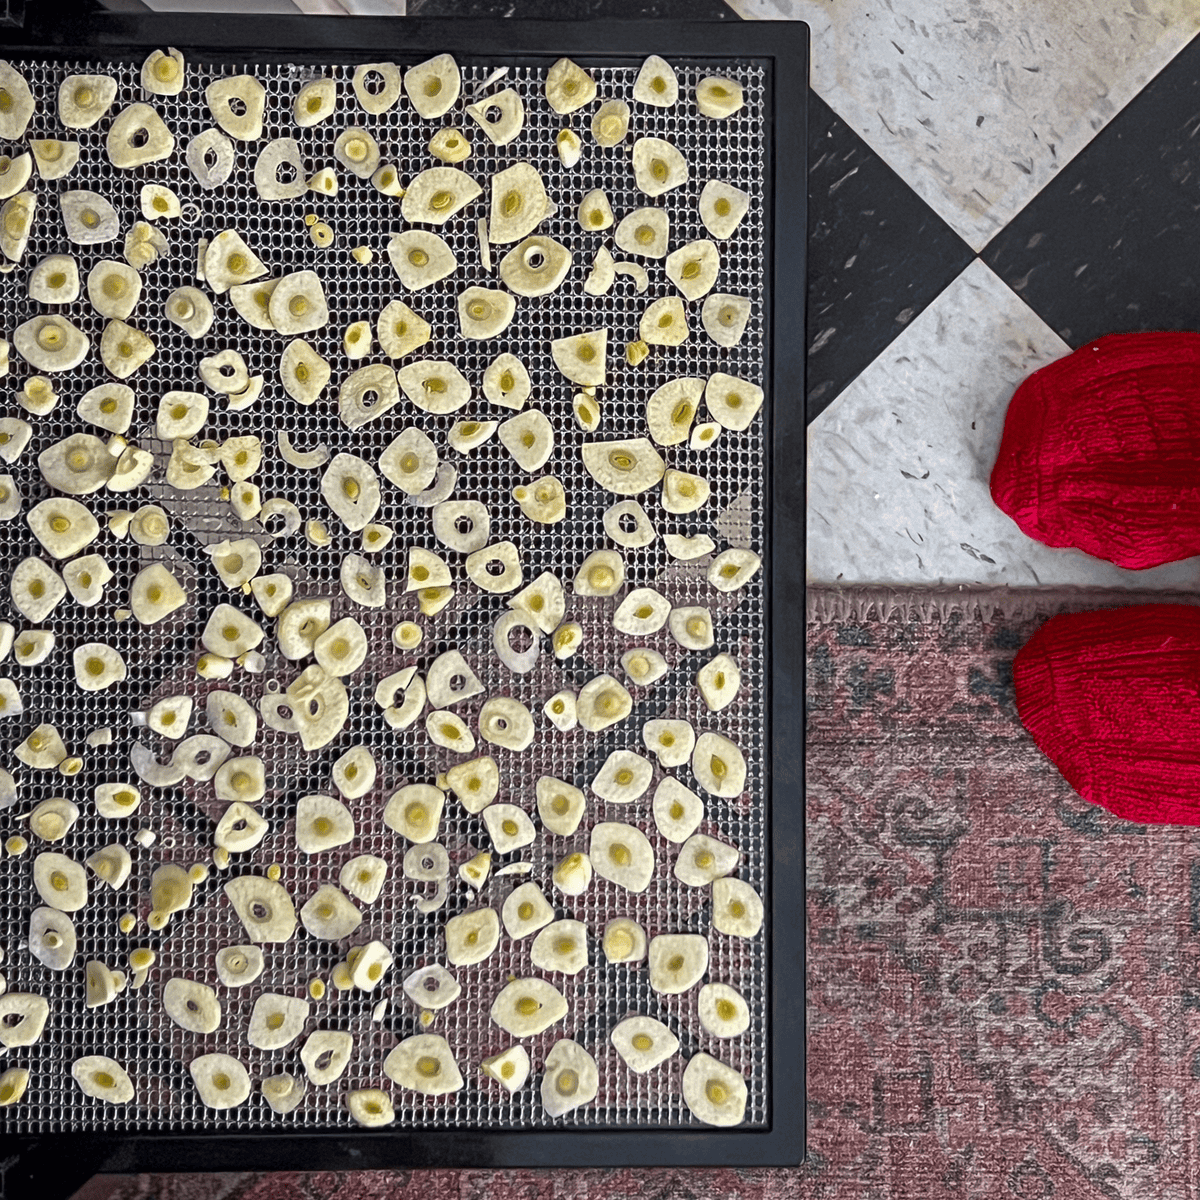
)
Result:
{"points": [[527, 1007], [603, 701], [276, 1021], [221, 1080], [702, 859], [472, 936], [437, 194], [643, 1043], [519, 203], [693, 268], [623, 940], [625, 467], [572, 1078], [97, 666], [240, 779], [401, 331], [718, 97], [724, 318], [86, 577], [573, 875], [191, 1005], [644, 232], [623, 777], [424, 1063], [510, 1068], [664, 323], [364, 876], [108, 406], [683, 492], [434, 386], [733, 568], [508, 826], [677, 962], [561, 946], [415, 811], [656, 83], [303, 372], [238, 966], [569, 87], [163, 72], [230, 632], [36, 589], [621, 854], [600, 574], [525, 911], [50, 342], [63, 526], [330, 915], [314, 102], [642, 612], [560, 805], [723, 1011], [154, 594], [191, 310], [714, 1092], [228, 260], [450, 146], [54, 280], [54, 158], [475, 783], [484, 313], [433, 86], [421, 258], [737, 908], [102, 1078], [529, 438]]}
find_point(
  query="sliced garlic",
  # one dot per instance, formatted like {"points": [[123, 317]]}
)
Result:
{"points": [[656, 83], [36, 590], [368, 965], [602, 702], [535, 267], [434, 386], [55, 280], [692, 627], [560, 711], [241, 780], [330, 915], [163, 72], [450, 146], [658, 166], [415, 811], [510, 1068], [671, 741], [358, 151], [437, 194], [582, 357], [573, 875], [124, 349], [221, 1080], [144, 244], [703, 859], [508, 826], [484, 313], [569, 87], [238, 966], [475, 871], [561, 946], [314, 102], [527, 1007], [718, 97], [276, 1021], [432, 987], [602, 275], [572, 1078], [529, 438], [245, 123], [52, 941], [506, 722], [433, 86], [426, 569], [363, 582], [14, 437], [664, 323], [283, 1092], [472, 936], [475, 783], [62, 526], [89, 218], [97, 666], [420, 258], [376, 86], [644, 232], [228, 261], [450, 731], [13, 1083], [723, 1011], [643, 1043], [642, 612], [137, 136], [210, 157], [109, 406], [303, 372], [737, 908], [54, 158], [264, 908], [724, 318], [363, 877], [600, 574], [518, 205], [509, 116], [191, 1005], [624, 467], [722, 207], [677, 962], [50, 342], [623, 778], [298, 304], [461, 525], [159, 202], [732, 402], [733, 568], [714, 1092], [191, 310], [53, 818], [503, 555], [401, 331], [424, 1063], [622, 854], [155, 594], [102, 1078]]}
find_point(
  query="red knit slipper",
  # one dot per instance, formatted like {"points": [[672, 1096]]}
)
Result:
{"points": [[1101, 450], [1112, 698]]}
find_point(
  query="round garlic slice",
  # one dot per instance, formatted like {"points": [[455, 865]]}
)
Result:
{"points": [[510, 1068], [303, 372], [351, 488], [210, 157], [683, 492], [691, 627], [600, 574], [718, 97], [137, 136], [410, 461], [595, 212], [376, 86], [643, 611], [298, 304], [51, 343], [610, 124], [522, 661], [733, 402], [264, 908], [53, 818], [475, 783], [506, 722], [109, 406], [535, 267], [501, 116], [314, 102], [433, 86], [55, 280], [432, 987], [658, 166], [16, 103], [561, 946], [276, 1021], [283, 1092], [191, 310], [241, 779], [561, 806], [519, 203], [724, 318], [124, 349], [230, 632], [495, 568], [664, 323], [582, 357], [114, 289], [529, 438], [472, 936], [527, 1007], [693, 268], [97, 666], [573, 875], [643, 1043], [624, 467], [484, 312], [54, 158], [723, 1011], [326, 1055], [77, 465], [85, 579], [644, 666], [671, 741], [509, 827], [622, 854], [569, 87], [624, 940], [737, 908], [358, 151], [719, 766], [714, 1092], [424, 1063], [52, 941], [448, 730], [155, 594], [461, 525], [644, 232], [363, 877], [246, 121], [437, 194], [170, 716], [159, 202], [677, 962], [102, 1078], [420, 258], [228, 261], [525, 911], [181, 415], [221, 1080], [238, 966], [718, 682], [191, 1005], [36, 590], [322, 823], [414, 812], [572, 1078], [116, 799], [43, 749], [253, 302], [623, 778], [702, 859], [370, 1107], [671, 410], [401, 331], [656, 83], [62, 526], [603, 701], [88, 217]]}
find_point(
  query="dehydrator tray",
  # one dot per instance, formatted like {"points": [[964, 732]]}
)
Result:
{"points": [[547, 485]]}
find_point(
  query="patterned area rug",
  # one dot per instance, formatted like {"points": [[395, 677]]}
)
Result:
{"points": [[1004, 981]]}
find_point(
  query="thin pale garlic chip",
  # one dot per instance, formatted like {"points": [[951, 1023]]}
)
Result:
{"points": [[163, 72], [610, 124], [124, 349], [351, 488], [358, 151], [54, 158], [420, 258], [510, 1068], [236, 562], [737, 908], [181, 415], [433, 86], [664, 323], [625, 467], [714, 1092], [53, 818], [496, 568], [561, 806], [501, 116], [536, 266], [264, 908], [314, 102], [230, 632], [363, 877], [210, 157], [628, 524], [228, 260], [154, 594], [529, 438], [35, 589], [450, 146], [484, 313], [191, 310], [582, 357], [643, 1043], [692, 627], [137, 136], [85, 579], [718, 97], [724, 318], [723, 1011], [732, 402], [703, 859], [600, 574], [424, 1063], [656, 83], [472, 936], [595, 212], [414, 811], [246, 123], [572, 1078], [400, 331], [60, 881], [506, 382], [677, 962], [509, 827], [276, 1021], [14, 174], [733, 568], [53, 942], [475, 783], [97, 666], [644, 232], [465, 436], [569, 87], [432, 987], [303, 372], [298, 304], [519, 203], [51, 343], [55, 280], [559, 710], [573, 875], [684, 492], [376, 86], [13, 1083], [221, 1080], [622, 854], [693, 268], [426, 569], [718, 682], [543, 601], [437, 194], [719, 766], [527, 1007], [279, 170], [623, 777], [63, 526], [322, 823], [102, 1078]]}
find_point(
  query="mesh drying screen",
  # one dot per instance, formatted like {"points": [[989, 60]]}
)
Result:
{"points": [[161, 659]]}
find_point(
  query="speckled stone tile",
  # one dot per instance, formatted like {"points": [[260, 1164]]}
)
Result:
{"points": [[899, 464], [877, 255], [979, 104], [1107, 247]]}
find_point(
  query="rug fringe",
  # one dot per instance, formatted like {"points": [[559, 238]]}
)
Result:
{"points": [[828, 604]]}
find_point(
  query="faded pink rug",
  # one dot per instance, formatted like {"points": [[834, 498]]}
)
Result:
{"points": [[1004, 981]]}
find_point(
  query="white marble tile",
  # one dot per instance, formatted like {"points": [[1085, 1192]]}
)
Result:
{"points": [[976, 105], [899, 464]]}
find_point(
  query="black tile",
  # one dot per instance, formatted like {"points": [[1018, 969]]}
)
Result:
{"points": [[575, 10], [877, 255], [1109, 245]]}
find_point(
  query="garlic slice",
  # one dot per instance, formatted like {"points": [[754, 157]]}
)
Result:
{"points": [[55, 280], [363, 877], [643, 1043], [376, 86], [238, 966], [737, 908], [724, 1013], [561, 806], [228, 260], [112, 864], [414, 811], [718, 97], [722, 207], [573, 876], [63, 526], [671, 410], [719, 766], [108, 406], [434, 385], [464, 436], [351, 488], [519, 662], [664, 323], [210, 157], [154, 594], [191, 1005], [642, 612], [437, 194], [644, 232], [527, 1007], [77, 465], [529, 438], [170, 716], [144, 245], [510, 1068], [503, 554], [424, 1063], [733, 568], [53, 818], [181, 415], [410, 461], [85, 579], [602, 702], [314, 102], [484, 313], [246, 125], [303, 372], [569, 87], [433, 86], [623, 778], [624, 940], [330, 915], [572, 1078], [137, 136], [221, 1081], [508, 826], [241, 780], [54, 158], [628, 524], [519, 203], [692, 627], [626, 467], [508, 121], [560, 711], [102, 1078], [13, 1083], [14, 437], [159, 202], [600, 574], [191, 310], [230, 632], [16, 103], [656, 83], [363, 582], [703, 859], [283, 1092], [677, 962], [461, 525], [124, 349], [276, 1021], [602, 275], [358, 151], [89, 218], [621, 854], [561, 946], [543, 601], [595, 212], [432, 987], [425, 569], [401, 331], [97, 666], [714, 1092], [475, 783], [53, 942], [733, 402], [525, 911], [50, 342], [298, 304], [35, 589], [724, 318], [450, 146], [475, 871], [671, 741], [421, 258], [342, 648], [718, 682], [472, 936], [658, 166]]}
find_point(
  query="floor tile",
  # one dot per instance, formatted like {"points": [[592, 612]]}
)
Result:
{"points": [[899, 465], [561, 10], [877, 254], [1108, 246], [979, 106]]}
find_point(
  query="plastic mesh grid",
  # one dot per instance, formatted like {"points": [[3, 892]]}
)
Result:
{"points": [[134, 1028]]}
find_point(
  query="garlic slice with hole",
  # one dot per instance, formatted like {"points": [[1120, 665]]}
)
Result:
{"points": [[602, 702], [535, 267], [508, 826], [420, 258], [484, 313], [300, 624], [53, 942], [351, 488], [54, 280], [519, 203], [502, 554], [432, 987], [330, 915], [572, 1078], [643, 611], [276, 1021], [247, 124], [137, 136], [31, 1012], [221, 1080], [527, 1007], [559, 710], [509, 119], [376, 97], [191, 310], [472, 936], [363, 582], [461, 525], [519, 662], [623, 778], [191, 1005], [433, 86], [643, 1043], [569, 87], [210, 157], [238, 966], [510, 1068], [529, 438]]}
